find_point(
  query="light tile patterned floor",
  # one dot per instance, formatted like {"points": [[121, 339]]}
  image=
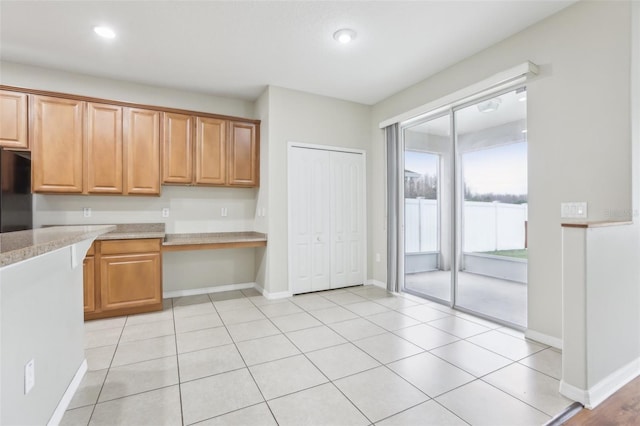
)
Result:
{"points": [[356, 356]]}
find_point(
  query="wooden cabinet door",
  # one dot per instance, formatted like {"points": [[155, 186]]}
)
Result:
{"points": [[89, 270], [210, 151], [243, 167], [13, 120], [177, 148], [142, 151], [56, 144], [130, 280], [103, 149]]}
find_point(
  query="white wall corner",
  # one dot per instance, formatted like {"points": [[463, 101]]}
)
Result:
{"points": [[574, 393], [376, 283], [536, 336], [273, 296], [58, 413]]}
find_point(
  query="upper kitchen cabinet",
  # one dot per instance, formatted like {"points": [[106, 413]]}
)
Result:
{"points": [[85, 145], [210, 158], [13, 120], [103, 149], [243, 158], [195, 155], [56, 141], [177, 148], [142, 151]]}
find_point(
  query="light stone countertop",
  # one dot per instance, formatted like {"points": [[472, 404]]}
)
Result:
{"points": [[213, 238], [131, 231], [22, 245]]}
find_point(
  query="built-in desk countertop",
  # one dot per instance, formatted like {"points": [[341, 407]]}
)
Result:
{"points": [[213, 240], [180, 242]]}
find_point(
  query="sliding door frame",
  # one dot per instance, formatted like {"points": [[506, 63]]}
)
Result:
{"points": [[457, 202]]}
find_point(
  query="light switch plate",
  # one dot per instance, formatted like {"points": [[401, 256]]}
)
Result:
{"points": [[573, 210]]}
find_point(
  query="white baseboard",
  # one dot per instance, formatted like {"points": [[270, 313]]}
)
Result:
{"points": [[206, 290], [376, 283], [276, 295], [574, 393], [68, 395], [612, 383], [543, 338]]}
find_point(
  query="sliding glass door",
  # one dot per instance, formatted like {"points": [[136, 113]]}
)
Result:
{"points": [[428, 208], [465, 207]]}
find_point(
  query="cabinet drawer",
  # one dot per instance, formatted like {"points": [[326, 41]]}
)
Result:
{"points": [[130, 246]]}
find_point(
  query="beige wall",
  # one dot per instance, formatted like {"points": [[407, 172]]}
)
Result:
{"points": [[579, 133], [31, 77], [305, 118]]}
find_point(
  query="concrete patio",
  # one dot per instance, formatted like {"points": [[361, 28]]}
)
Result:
{"points": [[497, 298]]}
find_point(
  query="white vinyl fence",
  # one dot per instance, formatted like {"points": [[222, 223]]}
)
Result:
{"points": [[420, 225], [486, 226]]}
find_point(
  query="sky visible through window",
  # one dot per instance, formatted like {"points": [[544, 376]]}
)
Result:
{"points": [[498, 170]]}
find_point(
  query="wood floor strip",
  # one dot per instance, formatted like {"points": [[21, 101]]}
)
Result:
{"points": [[621, 408]]}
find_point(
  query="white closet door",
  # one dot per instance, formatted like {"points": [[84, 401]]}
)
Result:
{"points": [[310, 251], [347, 219]]}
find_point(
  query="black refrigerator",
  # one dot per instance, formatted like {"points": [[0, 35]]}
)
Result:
{"points": [[16, 204]]}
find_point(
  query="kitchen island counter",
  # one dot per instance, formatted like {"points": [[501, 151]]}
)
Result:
{"points": [[41, 299], [22, 245]]}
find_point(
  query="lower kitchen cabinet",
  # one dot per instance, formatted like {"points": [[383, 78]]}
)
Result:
{"points": [[127, 277]]}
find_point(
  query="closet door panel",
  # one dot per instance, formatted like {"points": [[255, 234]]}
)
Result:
{"points": [[320, 220], [349, 224], [300, 234], [339, 238], [310, 235]]}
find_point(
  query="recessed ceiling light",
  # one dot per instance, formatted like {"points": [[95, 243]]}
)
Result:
{"points": [[344, 36], [105, 32], [524, 131], [523, 98]]}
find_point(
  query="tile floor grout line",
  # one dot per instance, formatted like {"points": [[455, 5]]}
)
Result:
{"points": [[264, 400], [536, 370], [492, 351], [175, 342], [446, 408], [115, 351], [519, 399], [228, 412]]}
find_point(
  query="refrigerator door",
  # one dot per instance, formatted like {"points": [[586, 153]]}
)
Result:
{"points": [[15, 191]]}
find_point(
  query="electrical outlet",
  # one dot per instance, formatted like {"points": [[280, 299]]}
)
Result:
{"points": [[29, 376], [165, 212], [86, 212]]}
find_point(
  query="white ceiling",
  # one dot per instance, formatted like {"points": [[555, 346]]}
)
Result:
{"points": [[237, 48]]}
